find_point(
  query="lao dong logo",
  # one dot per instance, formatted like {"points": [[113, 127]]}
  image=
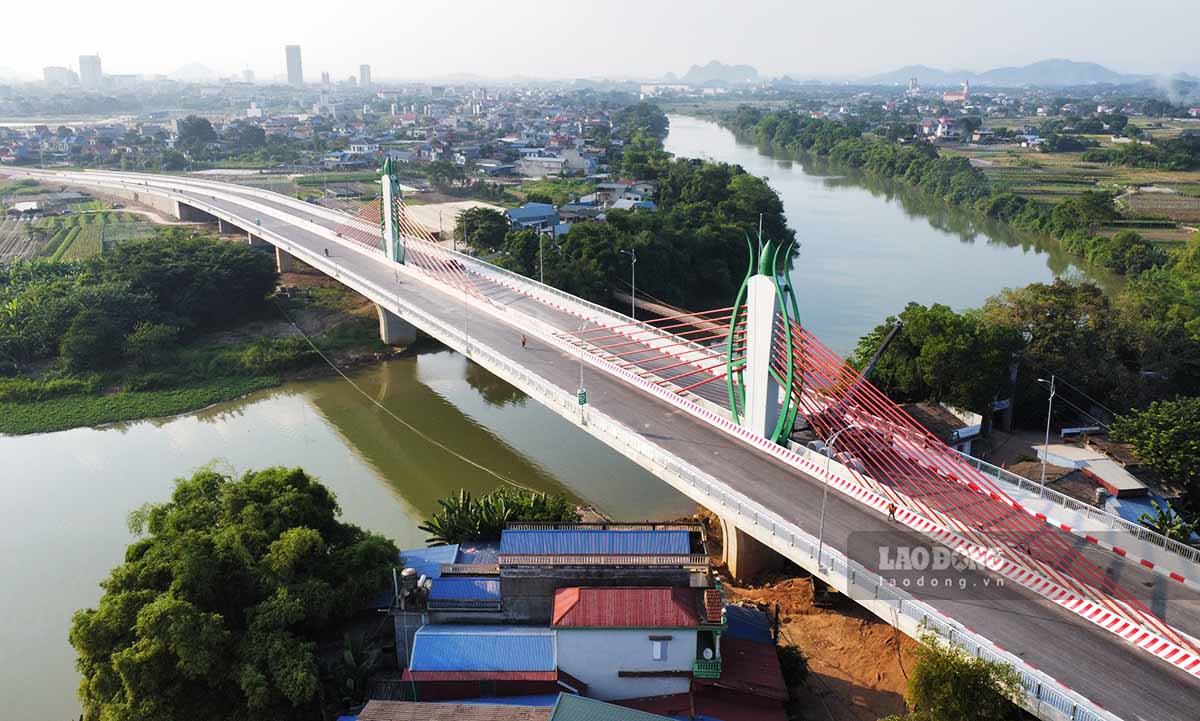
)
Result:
{"points": [[923, 558]]}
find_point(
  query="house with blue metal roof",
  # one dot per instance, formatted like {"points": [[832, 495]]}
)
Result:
{"points": [[535, 216], [572, 542]]}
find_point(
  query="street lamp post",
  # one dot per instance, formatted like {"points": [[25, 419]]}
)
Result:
{"points": [[632, 253], [582, 391], [1049, 411], [825, 494]]}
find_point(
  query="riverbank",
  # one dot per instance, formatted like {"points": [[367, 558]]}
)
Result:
{"points": [[339, 322]]}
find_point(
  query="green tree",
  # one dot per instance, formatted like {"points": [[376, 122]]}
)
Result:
{"points": [[1070, 329], [941, 355], [481, 228], [173, 160], [1166, 436], [194, 132], [948, 685], [90, 341], [1168, 523], [216, 611]]}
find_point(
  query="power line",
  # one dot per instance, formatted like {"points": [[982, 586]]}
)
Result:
{"points": [[1058, 378], [398, 419]]}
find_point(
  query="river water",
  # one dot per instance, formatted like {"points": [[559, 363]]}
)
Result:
{"points": [[64, 497], [868, 248]]}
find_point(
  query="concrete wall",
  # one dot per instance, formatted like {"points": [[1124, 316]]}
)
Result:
{"points": [[595, 657]]}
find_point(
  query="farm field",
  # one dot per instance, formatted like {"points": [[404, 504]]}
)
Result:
{"points": [[15, 242], [77, 237], [1052, 177]]}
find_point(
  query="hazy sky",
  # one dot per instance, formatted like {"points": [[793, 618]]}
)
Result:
{"points": [[587, 38]]}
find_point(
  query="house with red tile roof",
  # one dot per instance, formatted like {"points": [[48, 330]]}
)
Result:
{"points": [[637, 642]]}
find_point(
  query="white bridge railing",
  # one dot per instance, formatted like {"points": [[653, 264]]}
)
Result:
{"points": [[1111, 520]]}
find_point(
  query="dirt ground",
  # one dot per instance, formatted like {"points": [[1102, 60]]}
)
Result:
{"points": [[858, 665]]}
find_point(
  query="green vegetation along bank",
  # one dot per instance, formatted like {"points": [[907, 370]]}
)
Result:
{"points": [[154, 328]]}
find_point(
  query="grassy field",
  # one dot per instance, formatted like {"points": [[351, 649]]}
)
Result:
{"points": [[59, 414]]}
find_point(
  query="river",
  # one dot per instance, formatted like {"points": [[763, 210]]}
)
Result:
{"points": [[870, 245], [64, 497]]}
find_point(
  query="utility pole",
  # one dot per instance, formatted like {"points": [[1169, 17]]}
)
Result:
{"points": [[825, 494], [1049, 411], [632, 253]]}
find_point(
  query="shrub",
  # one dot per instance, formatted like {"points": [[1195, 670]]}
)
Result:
{"points": [[276, 354], [91, 341], [465, 518], [27, 390], [149, 344]]}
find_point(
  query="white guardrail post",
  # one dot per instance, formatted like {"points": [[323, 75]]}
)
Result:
{"points": [[1044, 696]]}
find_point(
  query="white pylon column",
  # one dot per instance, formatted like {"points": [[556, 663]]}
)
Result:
{"points": [[762, 390], [390, 231]]}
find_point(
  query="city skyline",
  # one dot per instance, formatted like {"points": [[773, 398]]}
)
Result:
{"points": [[432, 42]]}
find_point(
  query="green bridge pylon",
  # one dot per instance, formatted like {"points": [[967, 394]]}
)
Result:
{"points": [[761, 382], [389, 212]]}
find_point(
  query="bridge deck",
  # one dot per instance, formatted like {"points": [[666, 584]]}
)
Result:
{"points": [[1125, 680]]}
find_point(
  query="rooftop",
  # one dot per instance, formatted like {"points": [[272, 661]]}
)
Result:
{"points": [[415, 711], [626, 608], [483, 648], [587, 542], [579, 708]]}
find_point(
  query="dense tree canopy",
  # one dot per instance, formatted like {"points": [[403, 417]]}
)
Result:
{"points": [[941, 355], [1167, 437], [83, 311], [481, 228], [691, 252], [194, 132], [216, 612]]}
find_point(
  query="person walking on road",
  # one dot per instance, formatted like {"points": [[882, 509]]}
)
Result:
{"points": [[523, 340], [891, 511]]}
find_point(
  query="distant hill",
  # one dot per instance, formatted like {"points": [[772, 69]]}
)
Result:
{"points": [[719, 73], [923, 73], [1046, 73]]}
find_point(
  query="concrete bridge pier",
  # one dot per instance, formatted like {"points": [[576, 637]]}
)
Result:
{"points": [[255, 241], [285, 262], [193, 214], [394, 330], [744, 555], [227, 228]]}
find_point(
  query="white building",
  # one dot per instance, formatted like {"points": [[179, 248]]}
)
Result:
{"points": [[637, 642]]}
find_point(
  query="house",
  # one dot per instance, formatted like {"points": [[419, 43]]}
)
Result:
{"points": [[630, 204], [364, 148], [462, 661], [653, 639], [537, 216], [608, 193], [538, 166], [955, 427], [549, 615]]}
